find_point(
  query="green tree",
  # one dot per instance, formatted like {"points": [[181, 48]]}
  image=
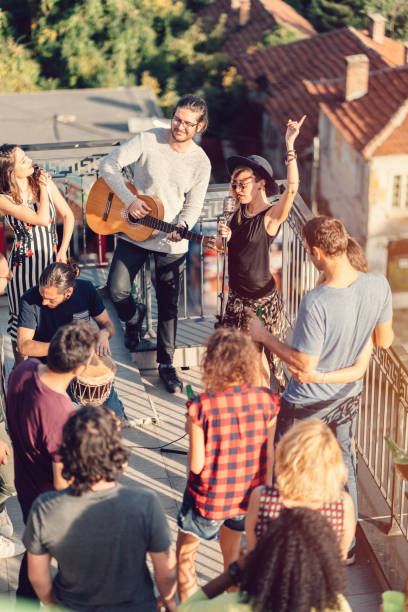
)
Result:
{"points": [[19, 72], [328, 15], [395, 13]]}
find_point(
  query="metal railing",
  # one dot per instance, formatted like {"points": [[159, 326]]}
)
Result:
{"points": [[384, 406]]}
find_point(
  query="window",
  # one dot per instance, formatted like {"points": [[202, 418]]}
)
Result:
{"points": [[399, 194], [396, 191]]}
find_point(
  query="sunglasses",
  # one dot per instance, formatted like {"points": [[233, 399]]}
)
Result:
{"points": [[240, 185]]}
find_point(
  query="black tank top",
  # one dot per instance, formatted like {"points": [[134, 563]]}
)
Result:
{"points": [[248, 256]]}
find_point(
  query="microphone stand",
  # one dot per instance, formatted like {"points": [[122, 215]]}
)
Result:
{"points": [[228, 212]]}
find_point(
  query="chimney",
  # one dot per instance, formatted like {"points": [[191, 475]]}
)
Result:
{"points": [[376, 27], [235, 4], [357, 67], [244, 12]]}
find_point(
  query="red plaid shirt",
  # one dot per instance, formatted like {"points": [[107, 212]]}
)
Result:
{"points": [[234, 422]]}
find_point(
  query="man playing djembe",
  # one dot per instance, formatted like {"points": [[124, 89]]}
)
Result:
{"points": [[58, 299]]}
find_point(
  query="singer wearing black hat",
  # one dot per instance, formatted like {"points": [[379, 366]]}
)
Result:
{"points": [[252, 230]]}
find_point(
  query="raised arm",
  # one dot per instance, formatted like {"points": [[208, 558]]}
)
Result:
{"points": [[26, 214], [67, 220], [278, 213]]}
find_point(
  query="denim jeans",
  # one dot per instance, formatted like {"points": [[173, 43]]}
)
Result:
{"points": [[340, 416], [190, 521], [126, 263]]}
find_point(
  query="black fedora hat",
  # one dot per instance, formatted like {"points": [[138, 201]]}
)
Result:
{"points": [[258, 164]]}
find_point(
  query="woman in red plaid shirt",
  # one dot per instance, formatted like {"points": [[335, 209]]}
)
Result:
{"points": [[231, 427]]}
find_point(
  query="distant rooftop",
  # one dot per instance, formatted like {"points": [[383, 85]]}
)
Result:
{"points": [[284, 14], [75, 114], [264, 15], [293, 79], [376, 123]]}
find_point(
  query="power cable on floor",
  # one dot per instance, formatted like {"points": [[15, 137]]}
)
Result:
{"points": [[162, 446]]}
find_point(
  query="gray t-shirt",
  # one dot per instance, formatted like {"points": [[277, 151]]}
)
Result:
{"points": [[335, 324], [100, 540], [180, 180]]}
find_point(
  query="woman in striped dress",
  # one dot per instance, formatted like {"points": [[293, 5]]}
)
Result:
{"points": [[29, 200]]}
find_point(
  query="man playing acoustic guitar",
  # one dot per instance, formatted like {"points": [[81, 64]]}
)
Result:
{"points": [[171, 166]]}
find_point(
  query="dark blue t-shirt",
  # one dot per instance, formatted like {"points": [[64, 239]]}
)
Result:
{"points": [[85, 303]]}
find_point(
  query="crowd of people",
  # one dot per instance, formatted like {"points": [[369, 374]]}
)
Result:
{"points": [[270, 460]]}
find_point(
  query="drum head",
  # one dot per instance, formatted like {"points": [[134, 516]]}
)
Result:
{"points": [[99, 370]]}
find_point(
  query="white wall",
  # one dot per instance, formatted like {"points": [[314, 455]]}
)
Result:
{"points": [[343, 179]]}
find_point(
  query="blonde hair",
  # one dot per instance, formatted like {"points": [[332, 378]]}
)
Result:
{"points": [[230, 357], [309, 464]]}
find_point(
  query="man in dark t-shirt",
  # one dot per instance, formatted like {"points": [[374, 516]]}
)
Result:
{"points": [[61, 298], [37, 409], [99, 531]]}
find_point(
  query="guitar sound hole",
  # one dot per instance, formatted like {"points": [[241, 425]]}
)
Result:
{"points": [[132, 220]]}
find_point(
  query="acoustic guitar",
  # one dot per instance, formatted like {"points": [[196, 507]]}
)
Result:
{"points": [[106, 214]]}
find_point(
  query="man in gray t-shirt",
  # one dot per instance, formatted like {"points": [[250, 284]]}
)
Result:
{"points": [[333, 329], [167, 164], [99, 531]]}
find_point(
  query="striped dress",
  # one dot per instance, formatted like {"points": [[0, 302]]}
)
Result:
{"points": [[34, 248]]}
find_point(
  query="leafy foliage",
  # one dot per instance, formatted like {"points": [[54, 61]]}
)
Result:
{"points": [[330, 14], [18, 70]]}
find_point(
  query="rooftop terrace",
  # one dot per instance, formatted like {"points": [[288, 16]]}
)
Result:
{"points": [[382, 495]]}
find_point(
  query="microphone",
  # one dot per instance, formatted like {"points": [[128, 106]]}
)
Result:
{"points": [[228, 209]]}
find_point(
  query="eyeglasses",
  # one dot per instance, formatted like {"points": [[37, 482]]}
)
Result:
{"points": [[240, 185], [186, 124]]}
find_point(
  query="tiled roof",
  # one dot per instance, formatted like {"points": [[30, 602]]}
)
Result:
{"points": [[286, 15], [294, 79], [238, 39], [392, 51], [265, 15], [377, 123]]}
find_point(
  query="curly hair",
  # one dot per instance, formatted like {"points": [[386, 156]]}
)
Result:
{"points": [[309, 464], [8, 183], [92, 448], [230, 357], [59, 275], [328, 234], [295, 566], [71, 346]]}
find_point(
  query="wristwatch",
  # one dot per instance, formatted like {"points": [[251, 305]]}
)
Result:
{"points": [[235, 572]]}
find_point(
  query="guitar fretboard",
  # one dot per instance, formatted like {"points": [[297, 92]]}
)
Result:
{"points": [[163, 226]]}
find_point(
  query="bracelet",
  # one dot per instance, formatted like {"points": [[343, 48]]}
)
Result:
{"points": [[292, 155]]}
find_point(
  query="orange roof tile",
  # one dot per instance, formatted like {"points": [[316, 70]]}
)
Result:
{"points": [[392, 51], [376, 123], [294, 79], [286, 14], [238, 39]]}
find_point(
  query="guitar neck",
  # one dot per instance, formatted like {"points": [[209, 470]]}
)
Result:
{"points": [[163, 226]]}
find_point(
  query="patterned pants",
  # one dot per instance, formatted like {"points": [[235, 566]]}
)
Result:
{"points": [[273, 315]]}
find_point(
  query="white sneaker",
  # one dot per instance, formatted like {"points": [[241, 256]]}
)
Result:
{"points": [[6, 526], [10, 548]]}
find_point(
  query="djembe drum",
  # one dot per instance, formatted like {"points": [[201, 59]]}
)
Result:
{"points": [[94, 385]]}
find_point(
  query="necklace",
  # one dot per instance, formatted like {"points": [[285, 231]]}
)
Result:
{"points": [[247, 214]]}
